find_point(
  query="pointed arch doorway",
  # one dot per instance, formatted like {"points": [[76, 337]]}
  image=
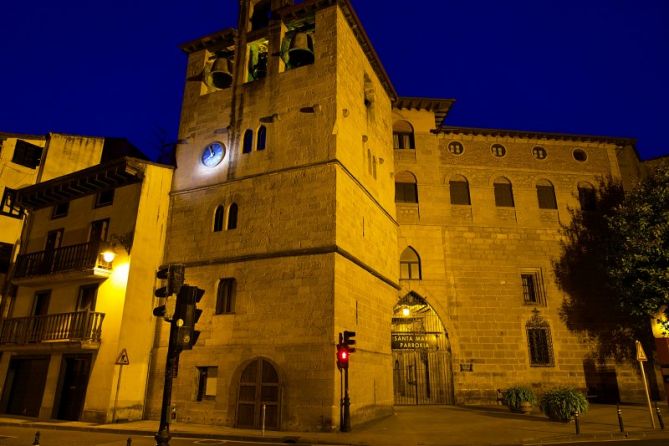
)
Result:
{"points": [[422, 371]]}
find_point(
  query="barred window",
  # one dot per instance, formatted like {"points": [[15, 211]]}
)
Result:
{"points": [[532, 288], [503, 193], [539, 341], [459, 188], [225, 297]]}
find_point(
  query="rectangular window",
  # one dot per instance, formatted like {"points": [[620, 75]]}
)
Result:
{"points": [[26, 154], [532, 288], [540, 345], [8, 205], [460, 192], [207, 383], [60, 210], [406, 193], [225, 298], [503, 195], [104, 198], [5, 256], [41, 303], [98, 231], [403, 140], [87, 297]]}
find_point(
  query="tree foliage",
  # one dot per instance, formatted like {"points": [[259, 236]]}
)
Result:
{"points": [[614, 266]]}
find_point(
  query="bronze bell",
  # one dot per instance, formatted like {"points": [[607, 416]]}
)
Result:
{"points": [[301, 51], [221, 75]]}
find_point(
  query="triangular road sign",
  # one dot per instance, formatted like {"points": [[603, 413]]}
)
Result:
{"points": [[123, 358], [640, 354]]}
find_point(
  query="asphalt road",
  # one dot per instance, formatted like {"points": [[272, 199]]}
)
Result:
{"points": [[20, 436]]}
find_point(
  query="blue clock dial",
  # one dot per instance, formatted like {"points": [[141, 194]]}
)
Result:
{"points": [[213, 154]]}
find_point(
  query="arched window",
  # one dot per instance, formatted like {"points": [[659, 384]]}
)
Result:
{"points": [[262, 138], [503, 193], [232, 217], [406, 189], [403, 135], [410, 264], [546, 195], [225, 296], [459, 188], [248, 141], [218, 218], [587, 196]]}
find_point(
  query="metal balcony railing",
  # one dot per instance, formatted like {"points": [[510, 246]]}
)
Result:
{"points": [[77, 326], [68, 258]]}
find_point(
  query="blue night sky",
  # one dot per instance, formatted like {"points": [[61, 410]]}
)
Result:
{"points": [[113, 68]]}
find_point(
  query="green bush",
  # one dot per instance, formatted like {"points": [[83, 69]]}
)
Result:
{"points": [[561, 403], [515, 395]]}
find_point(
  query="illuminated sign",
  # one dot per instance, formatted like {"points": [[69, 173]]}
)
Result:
{"points": [[412, 341]]}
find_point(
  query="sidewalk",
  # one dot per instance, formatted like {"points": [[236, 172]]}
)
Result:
{"points": [[424, 425]]}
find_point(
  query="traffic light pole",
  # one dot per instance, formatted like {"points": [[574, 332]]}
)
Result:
{"points": [[346, 425], [163, 435]]}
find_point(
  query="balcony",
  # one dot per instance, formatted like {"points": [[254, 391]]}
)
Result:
{"points": [[79, 327], [61, 264]]}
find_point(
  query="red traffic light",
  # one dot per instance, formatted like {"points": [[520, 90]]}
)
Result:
{"points": [[342, 356]]}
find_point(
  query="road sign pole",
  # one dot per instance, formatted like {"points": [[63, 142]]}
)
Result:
{"points": [[641, 357], [118, 387]]}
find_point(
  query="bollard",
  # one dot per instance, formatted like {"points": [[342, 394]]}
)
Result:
{"points": [[577, 423], [36, 441], [620, 418], [129, 442], [659, 416]]}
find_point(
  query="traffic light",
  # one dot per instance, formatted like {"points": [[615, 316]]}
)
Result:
{"points": [[173, 275], [349, 341], [342, 356], [186, 315]]}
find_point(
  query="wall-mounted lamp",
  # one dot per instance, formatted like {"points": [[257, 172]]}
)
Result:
{"points": [[108, 255], [406, 311]]}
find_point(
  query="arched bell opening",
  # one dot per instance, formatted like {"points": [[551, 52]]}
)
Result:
{"points": [[422, 369]]}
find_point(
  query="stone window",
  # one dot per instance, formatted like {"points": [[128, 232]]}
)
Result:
{"points": [[26, 154], [403, 137], [532, 284], [60, 210], [587, 197], [459, 188], [546, 195], [456, 147], [498, 150], [232, 217], [539, 153], [579, 155], [503, 192], [104, 198], [206, 383], [8, 205], [410, 265], [406, 188], [248, 141], [540, 344], [225, 296], [218, 218], [262, 138]]}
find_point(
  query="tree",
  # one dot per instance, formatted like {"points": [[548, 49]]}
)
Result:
{"points": [[614, 266], [638, 264]]}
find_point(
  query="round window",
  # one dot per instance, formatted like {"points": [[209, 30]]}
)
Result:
{"points": [[498, 150], [539, 153], [456, 147], [580, 155]]}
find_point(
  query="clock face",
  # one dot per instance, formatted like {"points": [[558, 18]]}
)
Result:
{"points": [[213, 154]]}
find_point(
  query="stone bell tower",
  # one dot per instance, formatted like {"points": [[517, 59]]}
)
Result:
{"points": [[282, 211]]}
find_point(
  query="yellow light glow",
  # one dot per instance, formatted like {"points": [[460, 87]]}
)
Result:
{"points": [[119, 276], [656, 323], [406, 311], [108, 256]]}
